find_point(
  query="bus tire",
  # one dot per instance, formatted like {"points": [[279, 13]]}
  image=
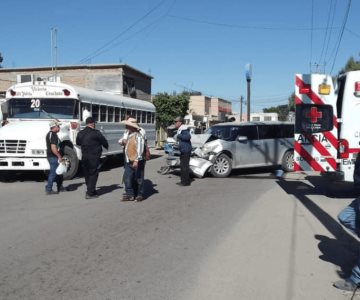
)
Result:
{"points": [[72, 161], [287, 163], [221, 167]]}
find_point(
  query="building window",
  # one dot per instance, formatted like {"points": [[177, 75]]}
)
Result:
{"points": [[129, 87]]}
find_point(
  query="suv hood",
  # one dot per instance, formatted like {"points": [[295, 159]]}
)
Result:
{"points": [[198, 140]]}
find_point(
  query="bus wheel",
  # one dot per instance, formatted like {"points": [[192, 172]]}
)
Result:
{"points": [[222, 166], [288, 161], [72, 161]]}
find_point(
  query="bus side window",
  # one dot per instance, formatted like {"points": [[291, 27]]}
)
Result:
{"points": [[110, 114], [143, 117], [117, 114], [123, 114], [95, 112], [103, 113]]}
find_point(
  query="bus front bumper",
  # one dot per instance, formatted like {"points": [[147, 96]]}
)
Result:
{"points": [[24, 163]]}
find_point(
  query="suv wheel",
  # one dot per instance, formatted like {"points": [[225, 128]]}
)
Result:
{"points": [[288, 161], [222, 166]]}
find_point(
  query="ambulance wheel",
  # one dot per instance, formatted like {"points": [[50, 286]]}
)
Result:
{"points": [[221, 167], [71, 161], [287, 163]]}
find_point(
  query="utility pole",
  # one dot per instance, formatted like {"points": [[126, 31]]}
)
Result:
{"points": [[54, 52], [248, 73], [241, 104]]}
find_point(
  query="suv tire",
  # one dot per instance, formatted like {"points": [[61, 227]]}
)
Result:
{"points": [[222, 166], [287, 163]]}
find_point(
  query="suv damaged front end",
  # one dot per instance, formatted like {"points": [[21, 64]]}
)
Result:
{"points": [[206, 149]]}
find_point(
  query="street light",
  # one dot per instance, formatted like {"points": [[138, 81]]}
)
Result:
{"points": [[248, 74]]}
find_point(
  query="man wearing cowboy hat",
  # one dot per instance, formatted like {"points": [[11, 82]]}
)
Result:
{"points": [[134, 162], [91, 141]]}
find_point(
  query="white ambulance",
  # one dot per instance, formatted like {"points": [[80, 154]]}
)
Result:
{"points": [[327, 125]]}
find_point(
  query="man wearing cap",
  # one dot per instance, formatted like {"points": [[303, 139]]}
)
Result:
{"points": [[134, 162], [91, 141], [53, 157], [183, 138]]}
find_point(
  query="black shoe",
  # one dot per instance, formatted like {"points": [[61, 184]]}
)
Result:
{"points": [[62, 189], [51, 193], [93, 196], [183, 184]]}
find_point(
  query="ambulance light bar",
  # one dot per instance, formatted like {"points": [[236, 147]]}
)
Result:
{"points": [[324, 89]]}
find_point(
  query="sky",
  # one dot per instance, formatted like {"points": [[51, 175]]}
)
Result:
{"points": [[189, 45]]}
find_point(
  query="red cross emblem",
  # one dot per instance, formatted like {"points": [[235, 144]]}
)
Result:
{"points": [[314, 115]]}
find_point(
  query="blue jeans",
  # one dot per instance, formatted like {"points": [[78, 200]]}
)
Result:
{"points": [[53, 162], [134, 179], [350, 218]]}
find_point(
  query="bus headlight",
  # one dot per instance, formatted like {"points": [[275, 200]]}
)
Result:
{"points": [[38, 152]]}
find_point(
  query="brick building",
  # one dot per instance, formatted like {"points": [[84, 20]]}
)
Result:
{"points": [[119, 79]]}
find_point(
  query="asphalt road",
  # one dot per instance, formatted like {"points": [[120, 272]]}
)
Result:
{"points": [[249, 236]]}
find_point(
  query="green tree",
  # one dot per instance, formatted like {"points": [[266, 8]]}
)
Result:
{"points": [[168, 107], [351, 65]]}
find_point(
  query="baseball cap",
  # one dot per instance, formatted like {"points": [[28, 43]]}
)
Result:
{"points": [[89, 120], [179, 119]]}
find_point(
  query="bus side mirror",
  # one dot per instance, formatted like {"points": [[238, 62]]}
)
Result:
{"points": [[1, 117], [85, 114]]}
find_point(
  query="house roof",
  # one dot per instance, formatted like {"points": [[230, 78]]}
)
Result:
{"points": [[70, 67]]}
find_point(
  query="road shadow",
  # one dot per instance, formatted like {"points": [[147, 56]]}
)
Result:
{"points": [[342, 250], [150, 189], [101, 190]]}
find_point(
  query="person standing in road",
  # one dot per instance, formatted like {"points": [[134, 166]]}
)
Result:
{"points": [[134, 162], [183, 138], [54, 158], [91, 141]]}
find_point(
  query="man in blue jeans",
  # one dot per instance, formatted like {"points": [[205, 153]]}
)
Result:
{"points": [[134, 164], [54, 157]]}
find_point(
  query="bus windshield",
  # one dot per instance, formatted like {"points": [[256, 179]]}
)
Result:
{"points": [[47, 108]]}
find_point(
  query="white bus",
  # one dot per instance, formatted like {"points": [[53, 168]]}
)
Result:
{"points": [[31, 106]]}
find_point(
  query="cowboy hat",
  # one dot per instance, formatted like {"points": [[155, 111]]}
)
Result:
{"points": [[131, 122], [54, 123]]}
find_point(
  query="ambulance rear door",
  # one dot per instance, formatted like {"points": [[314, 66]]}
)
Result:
{"points": [[349, 130], [316, 126]]}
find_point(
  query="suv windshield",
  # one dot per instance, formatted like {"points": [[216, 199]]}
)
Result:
{"points": [[227, 133], [43, 108]]}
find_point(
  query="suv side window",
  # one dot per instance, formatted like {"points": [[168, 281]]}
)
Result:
{"points": [[287, 131], [268, 132], [250, 131]]}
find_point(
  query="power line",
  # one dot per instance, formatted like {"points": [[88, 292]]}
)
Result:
{"points": [[97, 52], [245, 26], [341, 34]]}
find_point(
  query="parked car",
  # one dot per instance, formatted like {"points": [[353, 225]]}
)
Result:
{"points": [[233, 145]]}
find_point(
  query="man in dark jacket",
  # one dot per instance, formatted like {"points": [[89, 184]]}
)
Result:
{"points": [[91, 141], [184, 140]]}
